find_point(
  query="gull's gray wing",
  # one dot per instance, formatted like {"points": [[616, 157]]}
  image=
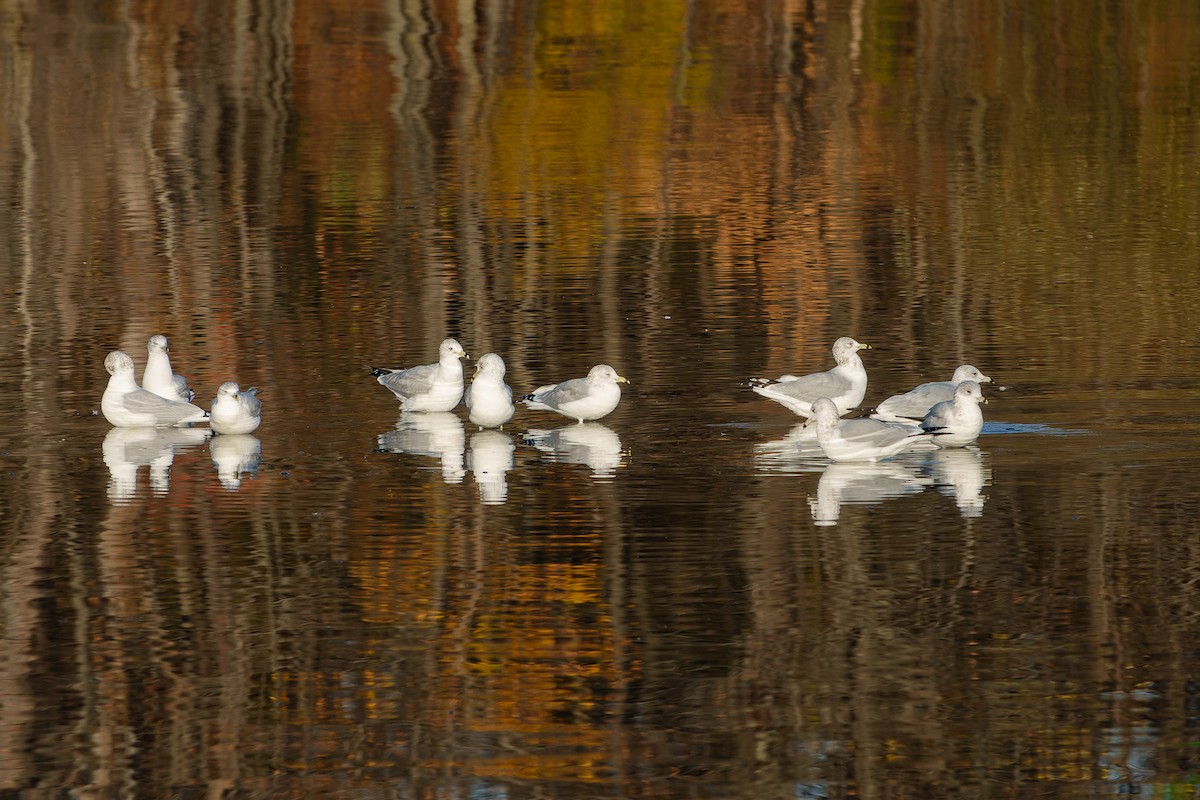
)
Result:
{"points": [[565, 392], [811, 387], [249, 403], [917, 402], [940, 416], [144, 402], [409, 382], [874, 432]]}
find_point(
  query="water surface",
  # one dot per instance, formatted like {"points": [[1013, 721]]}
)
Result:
{"points": [[677, 600]]}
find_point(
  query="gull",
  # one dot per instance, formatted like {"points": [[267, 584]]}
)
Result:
{"points": [[956, 422], [127, 405], [581, 399], [915, 403], [489, 399], [234, 411], [429, 387], [158, 377], [862, 439], [845, 384]]}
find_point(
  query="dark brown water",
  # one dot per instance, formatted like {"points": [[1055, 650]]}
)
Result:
{"points": [[674, 602]]}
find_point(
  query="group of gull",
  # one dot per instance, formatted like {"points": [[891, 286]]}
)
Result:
{"points": [[938, 414], [164, 398]]}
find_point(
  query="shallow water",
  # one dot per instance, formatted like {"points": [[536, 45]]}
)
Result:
{"points": [[681, 599]]}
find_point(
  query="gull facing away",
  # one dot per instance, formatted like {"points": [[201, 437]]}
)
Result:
{"points": [[127, 405], [862, 439], [915, 404], [845, 384], [956, 422], [429, 387], [234, 411], [580, 399], [489, 398], [158, 377]]}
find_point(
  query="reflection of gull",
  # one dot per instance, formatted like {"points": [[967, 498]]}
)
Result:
{"points": [[489, 398], [127, 449], [862, 439], [158, 378], [234, 454], [127, 405], [915, 403], [489, 457], [845, 383], [429, 387], [960, 473], [581, 399], [437, 435], [860, 484], [590, 443], [796, 452]]}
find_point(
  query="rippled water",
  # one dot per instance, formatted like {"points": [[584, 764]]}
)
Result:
{"points": [[680, 600]]}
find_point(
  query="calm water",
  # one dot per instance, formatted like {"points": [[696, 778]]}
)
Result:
{"points": [[675, 602]]}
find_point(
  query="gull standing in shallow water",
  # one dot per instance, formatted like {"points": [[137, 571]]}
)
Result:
{"points": [[956, 422], [489, 398], [581, 399], [235, 411], [862, 439], [127, 405], [158, 377], [429, 387], [915, 403], [845, 385]]}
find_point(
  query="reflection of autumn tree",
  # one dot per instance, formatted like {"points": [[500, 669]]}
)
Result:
{"points": [[302, 189]]}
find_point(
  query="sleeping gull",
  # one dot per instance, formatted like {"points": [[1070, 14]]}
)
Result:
{"points": [[915, 404], [488, 398], [429, 387], [158, 377], [861, 439], [581, 399], [845, 384], [127, 405], [956, 422], [235, 411]]}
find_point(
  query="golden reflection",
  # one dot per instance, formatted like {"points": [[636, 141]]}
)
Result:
{"points": [[699, 190]]}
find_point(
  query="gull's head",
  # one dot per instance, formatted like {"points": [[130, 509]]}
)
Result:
{"points": [[604, 372], [118, 362], [228, 389], [824, 412], [451, 347], [968, 373], [846, 347], [157, 344], [970, 390], [491, 364]]}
